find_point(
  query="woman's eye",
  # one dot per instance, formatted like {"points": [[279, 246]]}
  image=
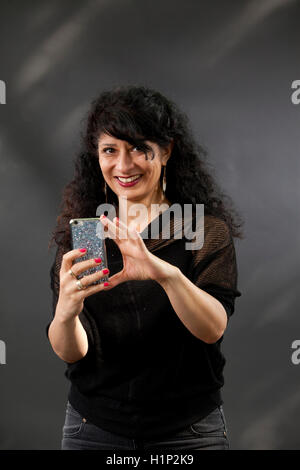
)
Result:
{"points": [[108, 150], [111, 150]]}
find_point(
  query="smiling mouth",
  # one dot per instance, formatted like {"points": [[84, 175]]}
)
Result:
{"points": [[129, 179], [128, 182]]}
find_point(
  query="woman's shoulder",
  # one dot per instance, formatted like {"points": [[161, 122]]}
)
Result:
{"points": [[214, 226], [214, 231]]}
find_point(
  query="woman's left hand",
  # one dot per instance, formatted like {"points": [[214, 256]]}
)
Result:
{"points": [[138, 262]]}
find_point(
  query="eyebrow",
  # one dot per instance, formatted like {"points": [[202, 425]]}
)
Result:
{"points": [[111, 145]]}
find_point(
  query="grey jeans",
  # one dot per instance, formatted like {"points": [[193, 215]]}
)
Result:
{"points": [[209, 433]]}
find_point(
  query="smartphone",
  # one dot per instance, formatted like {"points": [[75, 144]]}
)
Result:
{"points": [[89, 234]]}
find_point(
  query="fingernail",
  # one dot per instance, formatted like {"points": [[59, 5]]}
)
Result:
{"points": [[97, 260], [106, 284], [83, 250], [105, 271]]}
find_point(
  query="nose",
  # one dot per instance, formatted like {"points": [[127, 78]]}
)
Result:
{"points": [[124, 162]]}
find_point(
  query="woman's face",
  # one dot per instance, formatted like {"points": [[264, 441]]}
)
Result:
{"points": [[119, 159]]}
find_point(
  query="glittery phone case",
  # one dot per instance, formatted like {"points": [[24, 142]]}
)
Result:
{"points": [[89, 234]]}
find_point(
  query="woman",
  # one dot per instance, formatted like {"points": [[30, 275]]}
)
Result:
{"points": [[143, 349]]}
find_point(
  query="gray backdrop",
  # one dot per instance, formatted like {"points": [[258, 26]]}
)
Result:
{"points": [[229, 65]]}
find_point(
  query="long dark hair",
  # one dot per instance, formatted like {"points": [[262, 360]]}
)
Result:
{"points": [[136, 114]]}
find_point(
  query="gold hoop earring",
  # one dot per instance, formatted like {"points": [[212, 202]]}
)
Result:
{"points": [[164, 181]]}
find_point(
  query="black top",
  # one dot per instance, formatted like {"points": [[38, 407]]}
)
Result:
{"points": [[145, 374]]}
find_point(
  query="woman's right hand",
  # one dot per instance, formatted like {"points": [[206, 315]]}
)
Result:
{"points": [[71, 299]]}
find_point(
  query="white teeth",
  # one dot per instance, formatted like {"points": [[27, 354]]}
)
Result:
{"points": [[128, 180]]}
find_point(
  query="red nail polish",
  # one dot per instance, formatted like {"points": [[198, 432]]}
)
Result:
{"points": [[97, 260], [105, 271], [106, 284], [83, 250]]}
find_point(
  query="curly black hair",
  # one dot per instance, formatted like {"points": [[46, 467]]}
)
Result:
{"points": [[137, 114]]}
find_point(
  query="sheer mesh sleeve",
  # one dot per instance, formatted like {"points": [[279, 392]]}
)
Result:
{"points": [[214, 267], [84, 316]]}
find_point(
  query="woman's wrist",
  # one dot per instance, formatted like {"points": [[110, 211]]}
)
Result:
{"points": [[170, 276], [61, 316]]}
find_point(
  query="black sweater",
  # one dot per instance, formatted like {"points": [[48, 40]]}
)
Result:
{"points": [[145, 374]]}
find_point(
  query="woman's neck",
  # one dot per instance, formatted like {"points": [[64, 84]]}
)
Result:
{"points": [[139, 217]]}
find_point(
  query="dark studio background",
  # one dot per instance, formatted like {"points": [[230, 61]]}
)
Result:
{"points": [[229, 65]]}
